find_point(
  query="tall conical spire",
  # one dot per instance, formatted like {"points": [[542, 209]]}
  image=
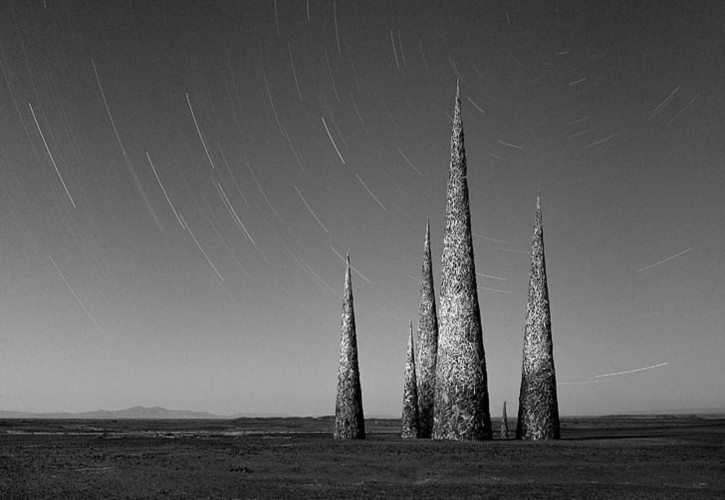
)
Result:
{"points": [[461, 396], [504, 423], [427, 342], [349, 422], [409, 425], [538, 405]]}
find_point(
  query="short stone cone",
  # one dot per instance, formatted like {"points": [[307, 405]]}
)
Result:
{"points": [[349, 422], [461, 408], [504, 423], [538, 405], [409, 426], [427, 343]]}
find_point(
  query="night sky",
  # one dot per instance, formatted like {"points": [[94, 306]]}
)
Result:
{"points": [[182, 180]]}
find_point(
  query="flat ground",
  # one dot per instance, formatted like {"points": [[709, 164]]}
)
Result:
{"points": [[607, 457]]}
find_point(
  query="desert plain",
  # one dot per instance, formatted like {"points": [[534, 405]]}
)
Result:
{"points": [[664, 456]]}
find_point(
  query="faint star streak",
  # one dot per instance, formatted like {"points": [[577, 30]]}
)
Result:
{"points": [[126, 159], [234, 179], [75, 295], [685, 108], [488, 238], [663, 260], [311, 211], [343, 259], [495, 290], [453, 66], [208, 260], [515, 146], [489, 276], [577, 134], [409, 162], [294, 150], [370, 192], [402, 51], [259, 186], [475, 105], [601, 141], [579, 120], [276, 18], [294, 72], [359, 116], [584, 382], [271, 102], [198, 131], [635, 370], [395, 52], [229, 251], [332, 79], [52, 160], [337, 33], [333, 141], [311, 272], [493, 155], [664, 103], [233, 212], [164, 191]]}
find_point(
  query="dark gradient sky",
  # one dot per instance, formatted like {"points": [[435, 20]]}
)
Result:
{"points": [[326, 129]]}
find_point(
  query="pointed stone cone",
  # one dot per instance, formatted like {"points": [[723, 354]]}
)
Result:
{"points": [[538, 405], [427, 343], [461, 410], [504, 423], [349, 422], [409, 425]]}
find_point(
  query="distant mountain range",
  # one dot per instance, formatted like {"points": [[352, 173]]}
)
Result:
{"points": [[137, 412], [157, 412], [685, 411]]}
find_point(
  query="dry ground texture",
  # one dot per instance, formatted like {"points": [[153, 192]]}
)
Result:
{"points": [[615, 457]]}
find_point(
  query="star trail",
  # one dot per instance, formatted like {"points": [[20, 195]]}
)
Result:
{"points": [[181, 182]]}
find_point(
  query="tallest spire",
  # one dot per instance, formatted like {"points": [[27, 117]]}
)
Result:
{"points": [[461, 408]]}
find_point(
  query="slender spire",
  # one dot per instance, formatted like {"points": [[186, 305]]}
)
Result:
{"points": [[538, 405], [504, 423], [409, 427], [427, 342], [461, 395], [349, 422]]}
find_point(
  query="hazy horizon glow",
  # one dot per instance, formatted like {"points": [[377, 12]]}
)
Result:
{"points": [[180, 183]]}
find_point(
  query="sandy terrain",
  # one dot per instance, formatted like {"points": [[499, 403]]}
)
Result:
{"points": [[611, 457]]}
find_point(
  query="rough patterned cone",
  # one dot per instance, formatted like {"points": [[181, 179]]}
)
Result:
{"points": [[409, 426], [427, 343], [504, 423], [461, 393], [538, 405], [349, 423]]}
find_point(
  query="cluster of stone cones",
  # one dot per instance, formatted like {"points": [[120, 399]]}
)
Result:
{"points": [[445, 392]]}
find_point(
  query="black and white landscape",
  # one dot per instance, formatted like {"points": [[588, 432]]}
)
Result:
{"points": [[524, 199]]}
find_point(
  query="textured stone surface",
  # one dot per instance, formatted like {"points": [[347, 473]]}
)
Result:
{"points": [[504, 423], [409, 425], [427, 342], [461, 410], [538, 405], [349, 422]]}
